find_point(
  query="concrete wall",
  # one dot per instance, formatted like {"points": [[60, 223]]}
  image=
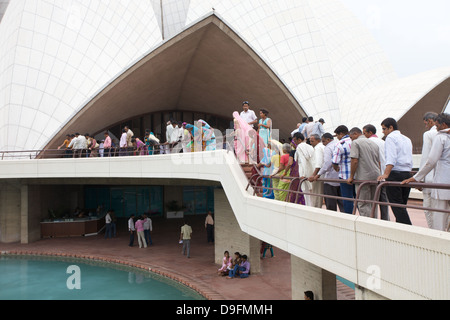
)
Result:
{"points": [[228, 235]]}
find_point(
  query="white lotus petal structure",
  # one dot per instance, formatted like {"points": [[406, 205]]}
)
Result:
{"points": [[63, 62]]}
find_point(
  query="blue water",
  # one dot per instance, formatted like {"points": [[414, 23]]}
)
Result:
{"points": [[45, 278]]}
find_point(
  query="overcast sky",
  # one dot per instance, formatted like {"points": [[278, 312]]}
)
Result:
{"points": [[415, 34]]}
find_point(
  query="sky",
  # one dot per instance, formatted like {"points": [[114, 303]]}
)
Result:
{"points": [[415, 34]]}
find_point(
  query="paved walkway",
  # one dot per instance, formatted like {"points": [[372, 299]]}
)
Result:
{"points": [[199, 272]]}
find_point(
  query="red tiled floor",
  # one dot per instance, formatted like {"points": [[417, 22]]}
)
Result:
{"points": [[164, 256]]}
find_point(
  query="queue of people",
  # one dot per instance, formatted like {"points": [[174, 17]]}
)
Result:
{"points": [[330, 165], [346, 158]]}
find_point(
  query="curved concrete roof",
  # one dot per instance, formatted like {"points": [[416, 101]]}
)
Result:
{"points": [[190, 72]]}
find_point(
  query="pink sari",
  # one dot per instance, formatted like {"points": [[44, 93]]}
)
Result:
{"points": [[248, 145]]}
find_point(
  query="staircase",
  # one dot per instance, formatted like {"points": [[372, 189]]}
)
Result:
{"points": [[249, 172]]}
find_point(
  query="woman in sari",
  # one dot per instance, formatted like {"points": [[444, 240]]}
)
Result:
{"points": [[279, 181], [209, 138], [264, 126], [196, 143], [241, 129], [285, 171], [267, 168]]}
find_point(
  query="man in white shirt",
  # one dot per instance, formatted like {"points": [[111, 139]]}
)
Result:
{"points": [[248, 115], [399, 163], [317, 186], [148, 227], [78, 144], [429, 120], [327, 172], [304, 156], [165, 148], [439, 161], [123, 143], [371, 133], [175, 137]]}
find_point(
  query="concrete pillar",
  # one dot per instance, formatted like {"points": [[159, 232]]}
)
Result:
{"points": [[309, 277], [362, 293], [10, 211], [24, 217], [228, 235]]}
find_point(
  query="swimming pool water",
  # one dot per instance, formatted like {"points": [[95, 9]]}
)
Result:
{"points": [[49, 278]]}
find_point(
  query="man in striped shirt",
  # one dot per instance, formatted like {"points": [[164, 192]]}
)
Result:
{"points": [[341, 163]]}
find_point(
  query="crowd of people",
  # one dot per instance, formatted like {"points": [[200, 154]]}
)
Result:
{"points": [[339, 165], [325, 167], [180, 137]]}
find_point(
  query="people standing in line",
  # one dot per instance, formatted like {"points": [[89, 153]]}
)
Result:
{"points": [[429, 120], [304, 157], [92, 147], [365, 165], [301, 127], [185, 237], [107, 144], [307, 130], [123, 145], [317, 186], [318, 128], [186, 139], [341, 163], [369, 132], [209, 226], [295, 188], [78, 144], [130, 136], [165, 148], [139, 225], [265, 126], [66, 144], [139, 146], [108, 225], [267, 168], [438, 160], [399, 163], [148, 228], [131, 230], [248, 115], [327, 172], [283, 172]]}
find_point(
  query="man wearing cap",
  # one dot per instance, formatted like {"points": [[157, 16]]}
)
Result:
{"points": [[318, 128], [248, 115]]}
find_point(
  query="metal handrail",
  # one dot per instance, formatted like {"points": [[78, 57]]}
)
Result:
{"points": [[356, 200]]}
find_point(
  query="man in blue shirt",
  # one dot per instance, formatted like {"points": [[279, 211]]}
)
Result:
{"points": [[399, 163], [341, 163]]}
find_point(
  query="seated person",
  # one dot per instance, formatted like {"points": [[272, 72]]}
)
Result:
{"points": [[226, 264], [242, 269]]}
